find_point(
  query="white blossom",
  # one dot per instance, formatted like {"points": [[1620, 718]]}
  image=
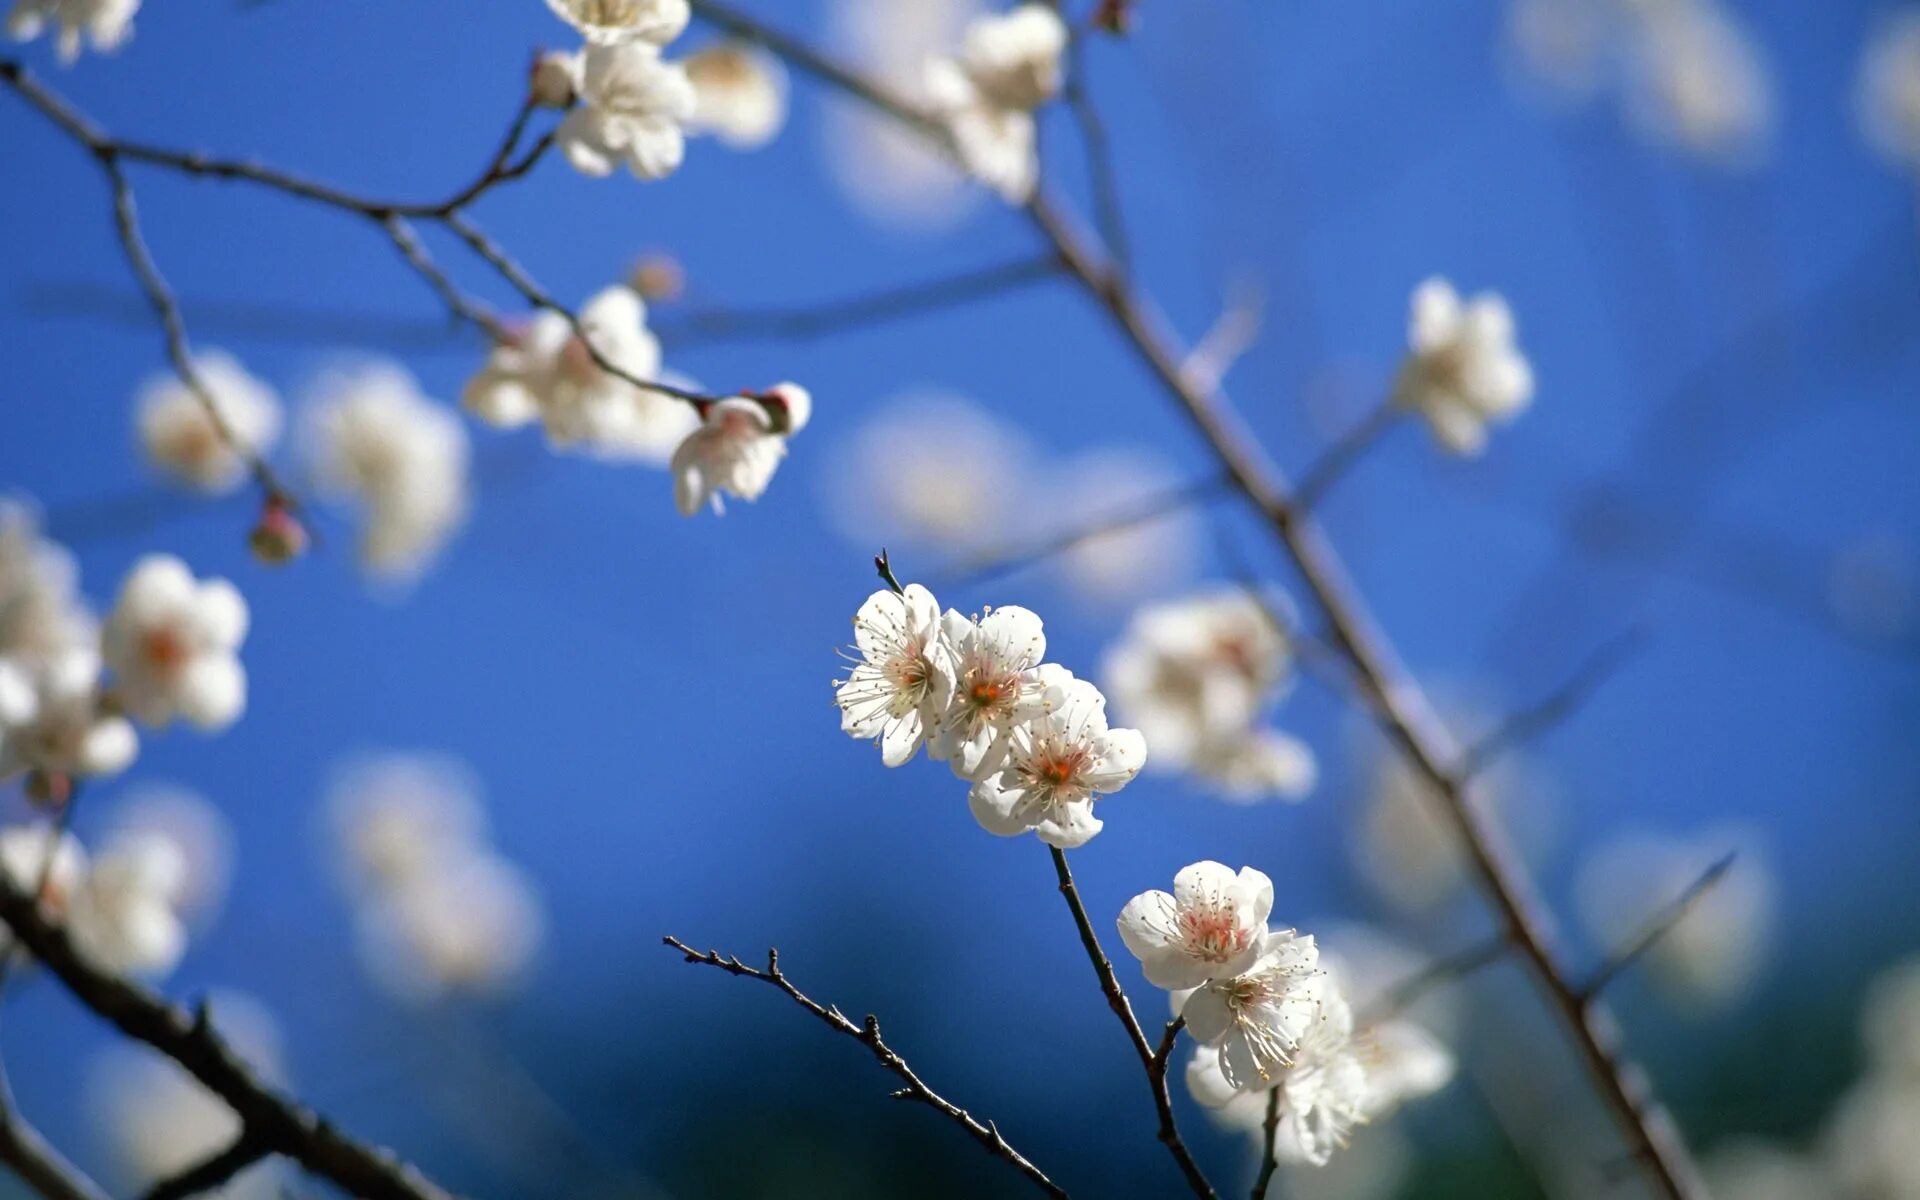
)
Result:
{"points": [[1141, 559], [126, 918], [997, 145], [72, 732], [1697, 81], [739, 94], [1212, 925], [1870, 1139], [737, 447], [1008, 65], [1750, 1169], [41, 613], [37, 859], [1056, 763], [554, 80], [632, 105], [903, 681], [1014, 58], [996, 684], [377, 441], [195, 827], [393, 816], [172, 643], [546, 372], [1887, 97], [614, 21], [181, 438], [1259, 1018], [104, 23], [1465, 371], [1890, 1023]]}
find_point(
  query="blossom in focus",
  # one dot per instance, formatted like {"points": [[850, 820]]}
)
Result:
{"points": [[739, 94], [1259, 1018], [1464, 371], [72, 732], [1212, 925], [996, 685], [738, 446], [1887, 97], [1056, 763], [612, 21], [547, 373], [1713, 952], [378, 442], [903, 681], [1194, 675], [181, 438], [632, 106], [104, 23], [172, 643], [1008, 65]]}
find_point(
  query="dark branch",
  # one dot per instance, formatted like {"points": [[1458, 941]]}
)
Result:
{"points": [[1336, 459], [1657, 928], [1269, 1145], [36, 1163], [211, 1172], [883, 566], [867, 1034]]}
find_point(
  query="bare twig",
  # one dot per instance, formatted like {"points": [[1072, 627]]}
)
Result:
{"points": [[1103, 180], [1657, 928], [1408, 992], [1269, 1145], [867, 1033], [36, 1163], [835, 316], [1557, 705], [408, 243], [211, 1172], [1336, 459], [1155, 1062], [276, 1120], [993, 564]]}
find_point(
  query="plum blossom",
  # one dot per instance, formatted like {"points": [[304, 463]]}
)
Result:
{"points": [[105, 23], [378, 442], [1055, 764], [1009, 65], [997, 683], [172, 643], [1887, 96], [739, 94], [1212, 925], [181, 438], [41, 613], [391, 816], [632, 105], [1260, 1018], [554, 79], [1696, 80], [738, 446], [36, 858], [1464, 371], [1194, 674], [903, 681], [72, 732], [613, 21], [194, 827], [546, 372], [127, 916], [1119, 566]]}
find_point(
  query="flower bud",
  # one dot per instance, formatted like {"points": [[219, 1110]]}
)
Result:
{"points": [[789, 405], [658, 277], [278, 537]]}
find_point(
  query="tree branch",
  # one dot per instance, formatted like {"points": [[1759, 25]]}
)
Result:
{"points": [[1338, 458], [37, 1164], [868, 1035], [212, 1172], [1269, 1145], [993, 564], [275, 1120], [1657, 928]]}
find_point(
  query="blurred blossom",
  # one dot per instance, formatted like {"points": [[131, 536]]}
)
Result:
{"points": [[1465, 370], [931, 472], [1887, 98], [121, 906], [33, 853], [739, 94], [41, 612], [608, 21], [66, 729], [157, 1120], [1120, 566], [1008, 65], [376, 441], [1563, 44], [1369, 965], [1872, 585], [104, 23], [172, 643], [1749, 1169], [181, 438], [1376, 1166], [438, 913], [631, 104], [1711, 955], [888, 171], [1871, 1140], [1195, 675], [1891, 1022], [195, 827]]}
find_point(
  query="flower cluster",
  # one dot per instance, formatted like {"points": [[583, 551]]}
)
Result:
{"points": [[1008, 66], [105, 23], [1464, 371], [1195, 675], [1268, 1016], [631, 103], [1031, 739], [438, 911]]}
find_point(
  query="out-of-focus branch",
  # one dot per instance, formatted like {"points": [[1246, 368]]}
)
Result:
{"points": [[993, 564], [867, 1034], [835, 316], [35, 1162], [1233, 333], [212, 1172], [1557, 705], [1456, 966], [1337, 459], [408, 243], [1103, 180], [1154, 1062], [275, 1120], [1657, 928]]}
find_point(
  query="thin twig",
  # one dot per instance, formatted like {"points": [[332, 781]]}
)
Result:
{"points": [[867, 1033], [1557, 705], [34, 1161], [835, 316], [1103, 181], [1657, 928], [1336, 459], [276, 1120], [210, 1173], [408, 243], [1269, 1145], [1408, 992], [1155, 1062], [994, 564]]}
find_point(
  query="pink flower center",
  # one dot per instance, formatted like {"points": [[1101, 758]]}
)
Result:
{"points": [[164, 648], [1213, 933]]}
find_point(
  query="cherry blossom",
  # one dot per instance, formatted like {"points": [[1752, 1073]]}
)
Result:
{"points": [[904, 679], [104, 23], [1014, 59], [468, 926], [1259, 1017], [1464, 371], [172, 643], [738, 446], [41, 613], [1213, 925], [739, 94], [181, 438], [38, 859], [614, 21], [1697, 82], [632, 104], [1008, 65], [127, 916], [72, 732], [996, 684], [1057, 762]]}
